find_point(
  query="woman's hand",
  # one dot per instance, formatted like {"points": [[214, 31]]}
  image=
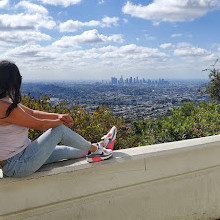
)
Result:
{"points": [[66, 119]]}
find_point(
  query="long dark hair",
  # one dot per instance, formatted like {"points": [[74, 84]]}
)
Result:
{"points": [[10, 84]]}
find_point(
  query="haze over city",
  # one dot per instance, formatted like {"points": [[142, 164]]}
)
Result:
{"points": [[100, 39]]}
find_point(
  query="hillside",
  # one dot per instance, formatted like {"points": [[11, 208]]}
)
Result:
{"points": [[189, 121]]}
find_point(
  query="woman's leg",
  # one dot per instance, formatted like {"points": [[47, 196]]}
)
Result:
{"points": [[38, 152], [62, 152]]}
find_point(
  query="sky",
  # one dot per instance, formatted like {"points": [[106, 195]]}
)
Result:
{"points": [[99, 39]]}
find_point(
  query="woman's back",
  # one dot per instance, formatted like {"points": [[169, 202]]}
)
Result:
{"points": [[13, 138]]}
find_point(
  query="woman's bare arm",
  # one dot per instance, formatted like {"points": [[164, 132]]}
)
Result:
{"points": [[19, 117], [39, 114], [68, 121]]}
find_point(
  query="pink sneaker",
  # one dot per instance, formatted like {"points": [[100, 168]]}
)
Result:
{"points": [[109, 139], [100, 154]]}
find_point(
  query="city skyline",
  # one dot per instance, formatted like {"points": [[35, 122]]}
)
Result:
{"points": [[98, 39], [135, 80]]}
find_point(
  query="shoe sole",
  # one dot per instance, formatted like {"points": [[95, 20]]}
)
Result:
{"points": [[97, 158]]}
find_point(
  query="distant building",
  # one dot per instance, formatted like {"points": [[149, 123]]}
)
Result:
{"points": [[121, 80], [136, 80], [114, 81], [161, 81]]}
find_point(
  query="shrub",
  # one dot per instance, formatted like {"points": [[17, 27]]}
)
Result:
{"points": [[91, 126], [189, 121]]}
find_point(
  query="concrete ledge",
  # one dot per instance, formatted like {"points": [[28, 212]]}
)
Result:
{"points": [[177, 180]]}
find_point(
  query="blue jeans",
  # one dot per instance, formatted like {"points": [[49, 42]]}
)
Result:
{"points": [[45, 150]]}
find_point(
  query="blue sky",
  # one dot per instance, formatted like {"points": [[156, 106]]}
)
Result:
{"points": [[98, 39]]}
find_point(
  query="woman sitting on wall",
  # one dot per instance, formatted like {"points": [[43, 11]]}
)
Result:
{"points": [[19, 156]]}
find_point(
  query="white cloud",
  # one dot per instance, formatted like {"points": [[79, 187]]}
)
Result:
{"points": [[24, 22], [90, 37], [191, 52], [149, 37], [188, 52], [100, 2], [87, 37], [82, 64], [33, 57], [125, 20], [133, 52], [107, 63], [64, 3], [171, 10], [66, 42], [107, 48], [25, 51], [22, 37], [128, 54], [183, 44], [3, 3], [73, 26], [125, 55], [176, 35], [117, 38], [32, 8], [108, 22], [166, 45], [128, 58]]}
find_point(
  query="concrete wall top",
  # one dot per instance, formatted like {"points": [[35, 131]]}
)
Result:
{"points": [[124, 155]]}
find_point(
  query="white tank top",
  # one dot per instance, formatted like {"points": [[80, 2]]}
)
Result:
{"points": [[13, 139]]}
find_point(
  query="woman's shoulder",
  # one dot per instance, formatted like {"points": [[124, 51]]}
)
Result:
{"points": [[4, 104]]}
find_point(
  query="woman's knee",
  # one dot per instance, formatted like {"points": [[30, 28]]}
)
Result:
{"points": [[59, 128]]}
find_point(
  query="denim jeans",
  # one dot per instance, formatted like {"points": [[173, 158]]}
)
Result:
{"points": [[44, 150]]}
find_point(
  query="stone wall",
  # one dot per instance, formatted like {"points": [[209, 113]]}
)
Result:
{"points": [[171, 181]]}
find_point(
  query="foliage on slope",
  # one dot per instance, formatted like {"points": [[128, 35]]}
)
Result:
{"points": [[91, 126], [189, 121]]}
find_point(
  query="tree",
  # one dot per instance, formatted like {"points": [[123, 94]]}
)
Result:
{"points": [[213, 87]]}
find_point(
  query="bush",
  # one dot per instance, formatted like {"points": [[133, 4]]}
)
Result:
{"points": [[91, 126], [189, 121]]}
